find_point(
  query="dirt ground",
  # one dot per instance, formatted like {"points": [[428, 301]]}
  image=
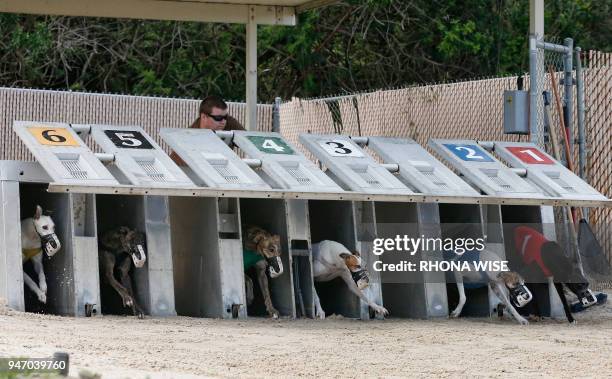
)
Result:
{"points": [[182, 347]]}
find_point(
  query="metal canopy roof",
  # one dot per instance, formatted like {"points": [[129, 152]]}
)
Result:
{"points": [[270, 12]]}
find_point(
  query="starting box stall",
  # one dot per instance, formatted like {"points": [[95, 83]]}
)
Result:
{"points": [[195, 217]]}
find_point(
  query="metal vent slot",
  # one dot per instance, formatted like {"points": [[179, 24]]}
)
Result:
{"points": [[371, 180], [150, 169], [74, 168], [226, 173], [563, 184], [496, 179], [298, 174], [435, 179]]}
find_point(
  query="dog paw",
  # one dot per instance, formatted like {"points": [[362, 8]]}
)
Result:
{"points": [[43, 287], [42, 297], [141, 316], [523, 321], [455, 314], [127, 301], [320, 314], [273, 313], [382, 310], [573, 323]]}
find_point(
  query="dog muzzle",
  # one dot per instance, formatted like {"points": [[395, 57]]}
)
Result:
{"points": [[138, 256], [587, 298], [50, 244], [520, 296], [275, 266], [361, 278]]}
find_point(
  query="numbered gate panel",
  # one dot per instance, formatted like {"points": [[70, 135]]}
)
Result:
{"points": [[351, 165], [483, 170], [283, 163], [419, 168], [546, 172], [62, 154], [214, 163], [138, 157]]}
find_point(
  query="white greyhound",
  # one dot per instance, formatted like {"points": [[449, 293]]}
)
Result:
{"points": [[38, 236], [499, 281], [331, 260]]}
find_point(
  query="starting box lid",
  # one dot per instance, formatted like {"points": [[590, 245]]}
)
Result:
{"points": [[546, 172], [419, 168], [351, 165], [482, 169], [63, 155], [211, 160], [283, 163], [138, 157]]}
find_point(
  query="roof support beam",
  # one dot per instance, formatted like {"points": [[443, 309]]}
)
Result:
{"points": [[251, 70], [155, 10]]}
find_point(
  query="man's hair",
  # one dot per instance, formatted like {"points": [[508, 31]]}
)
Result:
{"points": [[206, 107], [211, 102]]}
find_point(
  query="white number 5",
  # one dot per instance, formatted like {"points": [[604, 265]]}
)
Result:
{"points": [[127, 139]]}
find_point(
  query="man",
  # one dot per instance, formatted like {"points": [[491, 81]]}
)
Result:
{"points": [[213, 116]]}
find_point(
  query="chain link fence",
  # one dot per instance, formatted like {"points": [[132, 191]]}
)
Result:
{"points": [[472, 110]]}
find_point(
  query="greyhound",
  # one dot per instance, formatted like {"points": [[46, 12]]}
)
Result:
{"points": [[543, 259], [499, 282], [331, 260], [127, 246], [38, 236]]}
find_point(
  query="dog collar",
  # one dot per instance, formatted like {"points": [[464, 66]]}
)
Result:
{"points": [[30, 253]]}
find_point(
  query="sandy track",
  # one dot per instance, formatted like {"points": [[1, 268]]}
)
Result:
{"points": [[119, 347]]}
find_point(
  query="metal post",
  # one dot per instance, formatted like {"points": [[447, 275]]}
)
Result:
{"points": [[533, 90], [276, 115], [251, 70], [568, 68], [581, 127]]}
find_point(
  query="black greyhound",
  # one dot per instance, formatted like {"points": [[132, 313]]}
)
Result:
{"points": [[549, 259]]}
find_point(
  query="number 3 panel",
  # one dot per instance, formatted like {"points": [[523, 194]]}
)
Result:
{"points": [[356, 170], [138, 157]]}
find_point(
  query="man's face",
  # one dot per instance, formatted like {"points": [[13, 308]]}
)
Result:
{"points": [[216, 120]]}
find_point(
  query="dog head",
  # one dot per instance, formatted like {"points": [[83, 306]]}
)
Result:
{"points": [[563, 270], [519, 293], [45, 228], [359, 274], [133, 243], [269, 247]]}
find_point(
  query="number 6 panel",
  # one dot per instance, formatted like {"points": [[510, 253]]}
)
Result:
{"points": [[138, 157], [356, 170], [482, 169], [283, 163], [62, 154]]}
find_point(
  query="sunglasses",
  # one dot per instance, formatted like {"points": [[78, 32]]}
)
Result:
{"points": [[217, 118]]}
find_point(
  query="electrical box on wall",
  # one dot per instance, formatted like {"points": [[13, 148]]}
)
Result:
{"points": [[516, 112]]}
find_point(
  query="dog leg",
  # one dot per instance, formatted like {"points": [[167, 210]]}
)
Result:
{"points": [[109, 265], [42, 297], [348, 279], [250, 292], [126, 281], [566, 308], [38, 267], [262, 278], [462, 299], [499, 291], [319, 312]]}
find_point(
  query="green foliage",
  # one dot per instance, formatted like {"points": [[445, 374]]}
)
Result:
{"points": [[354, 45]]}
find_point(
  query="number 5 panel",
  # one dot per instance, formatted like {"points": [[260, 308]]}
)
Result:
{"points": [[138, 157]]}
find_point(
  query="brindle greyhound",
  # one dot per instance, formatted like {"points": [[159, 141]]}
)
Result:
{"points": [[38, 235], [126, 246]]}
